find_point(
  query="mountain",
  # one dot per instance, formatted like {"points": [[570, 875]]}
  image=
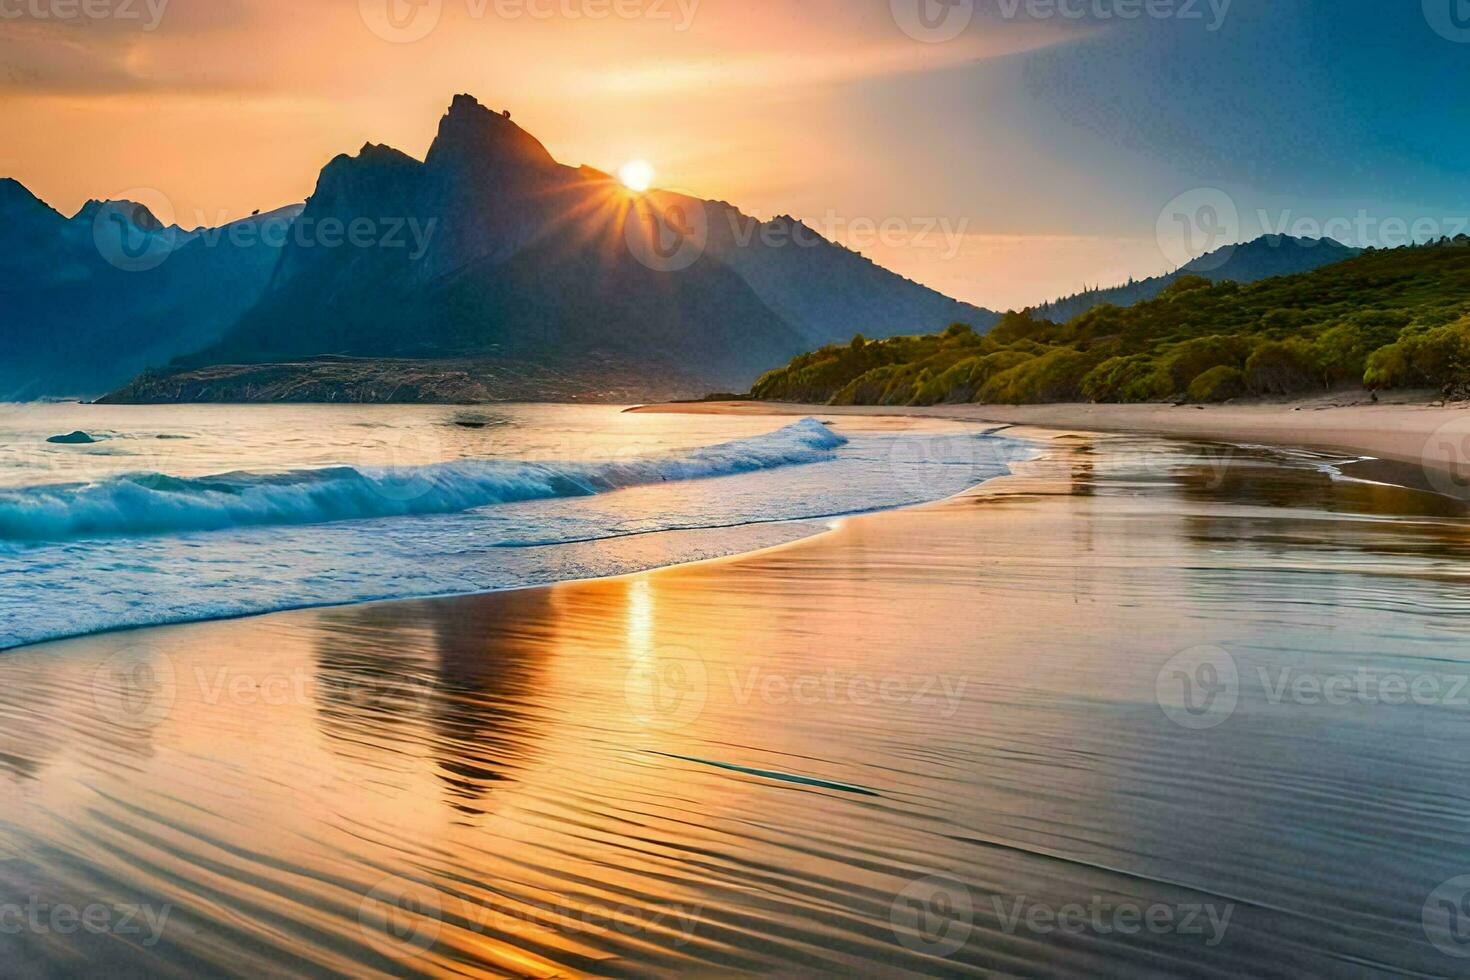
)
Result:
{"points": [[92, 299], [823, 289], [491, 249], [1262, 258]]}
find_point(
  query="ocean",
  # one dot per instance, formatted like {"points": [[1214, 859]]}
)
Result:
{"points": [[184, 513]]}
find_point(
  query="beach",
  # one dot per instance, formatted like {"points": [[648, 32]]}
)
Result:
{"points": [[1146, 706], [1408, 427]]}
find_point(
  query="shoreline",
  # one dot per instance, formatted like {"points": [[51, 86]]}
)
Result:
{"points": [[825, 526], [833, 524], [1243, 426], [494, 754], [1401, 432]]}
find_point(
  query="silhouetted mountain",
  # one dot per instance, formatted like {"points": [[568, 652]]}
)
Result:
{"points": [[489, 248], [825, 290], [1264, 258], [91, 300]]}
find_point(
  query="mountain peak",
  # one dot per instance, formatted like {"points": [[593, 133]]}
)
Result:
{"points": [[17, 201], [10, 187], [141, 218], [472, 136], [13, 193]]}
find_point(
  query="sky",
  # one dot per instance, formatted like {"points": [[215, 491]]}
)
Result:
{"points": [[1002, 151]]}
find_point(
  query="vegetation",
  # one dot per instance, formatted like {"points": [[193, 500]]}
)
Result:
{"points": [[1385, 319]]}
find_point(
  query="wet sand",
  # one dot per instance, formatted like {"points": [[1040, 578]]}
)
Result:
{"points": [[1412, 430], [1143, 708]]}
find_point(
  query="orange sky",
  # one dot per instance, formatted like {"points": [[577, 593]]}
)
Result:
{"points": [[225, 106]]}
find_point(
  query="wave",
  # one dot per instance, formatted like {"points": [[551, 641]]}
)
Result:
{"points": [[156, 504]]}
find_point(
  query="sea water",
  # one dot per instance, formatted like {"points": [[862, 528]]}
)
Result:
{"points": [[180, 513]]}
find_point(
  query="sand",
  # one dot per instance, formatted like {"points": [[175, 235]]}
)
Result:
{"points": [[1423, 434]]}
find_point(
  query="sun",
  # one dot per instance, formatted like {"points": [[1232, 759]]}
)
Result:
{"points": [[636, 175]]}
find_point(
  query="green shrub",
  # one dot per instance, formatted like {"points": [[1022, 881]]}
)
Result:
{"points": [[1218, 384], [1017, 326], [1184, 362], [1185, 284], [1135, 378], [1053, 377], [867, 388], [1442, 355], [1281, 368], [959, 382], [1389, 367]]}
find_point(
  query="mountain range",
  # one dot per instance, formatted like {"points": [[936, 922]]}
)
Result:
{"points": [[485, 271], [1263, 258], [93, 299]]}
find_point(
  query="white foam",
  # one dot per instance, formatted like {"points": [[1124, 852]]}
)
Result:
{"points": [[156, 504]]}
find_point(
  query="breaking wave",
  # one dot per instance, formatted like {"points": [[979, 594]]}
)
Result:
{"points": [[156, 504]]}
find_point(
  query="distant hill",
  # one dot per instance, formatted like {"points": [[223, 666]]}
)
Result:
{"points": [[92, 299], [1383, 319], [1263, 258], [505, 254]]}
